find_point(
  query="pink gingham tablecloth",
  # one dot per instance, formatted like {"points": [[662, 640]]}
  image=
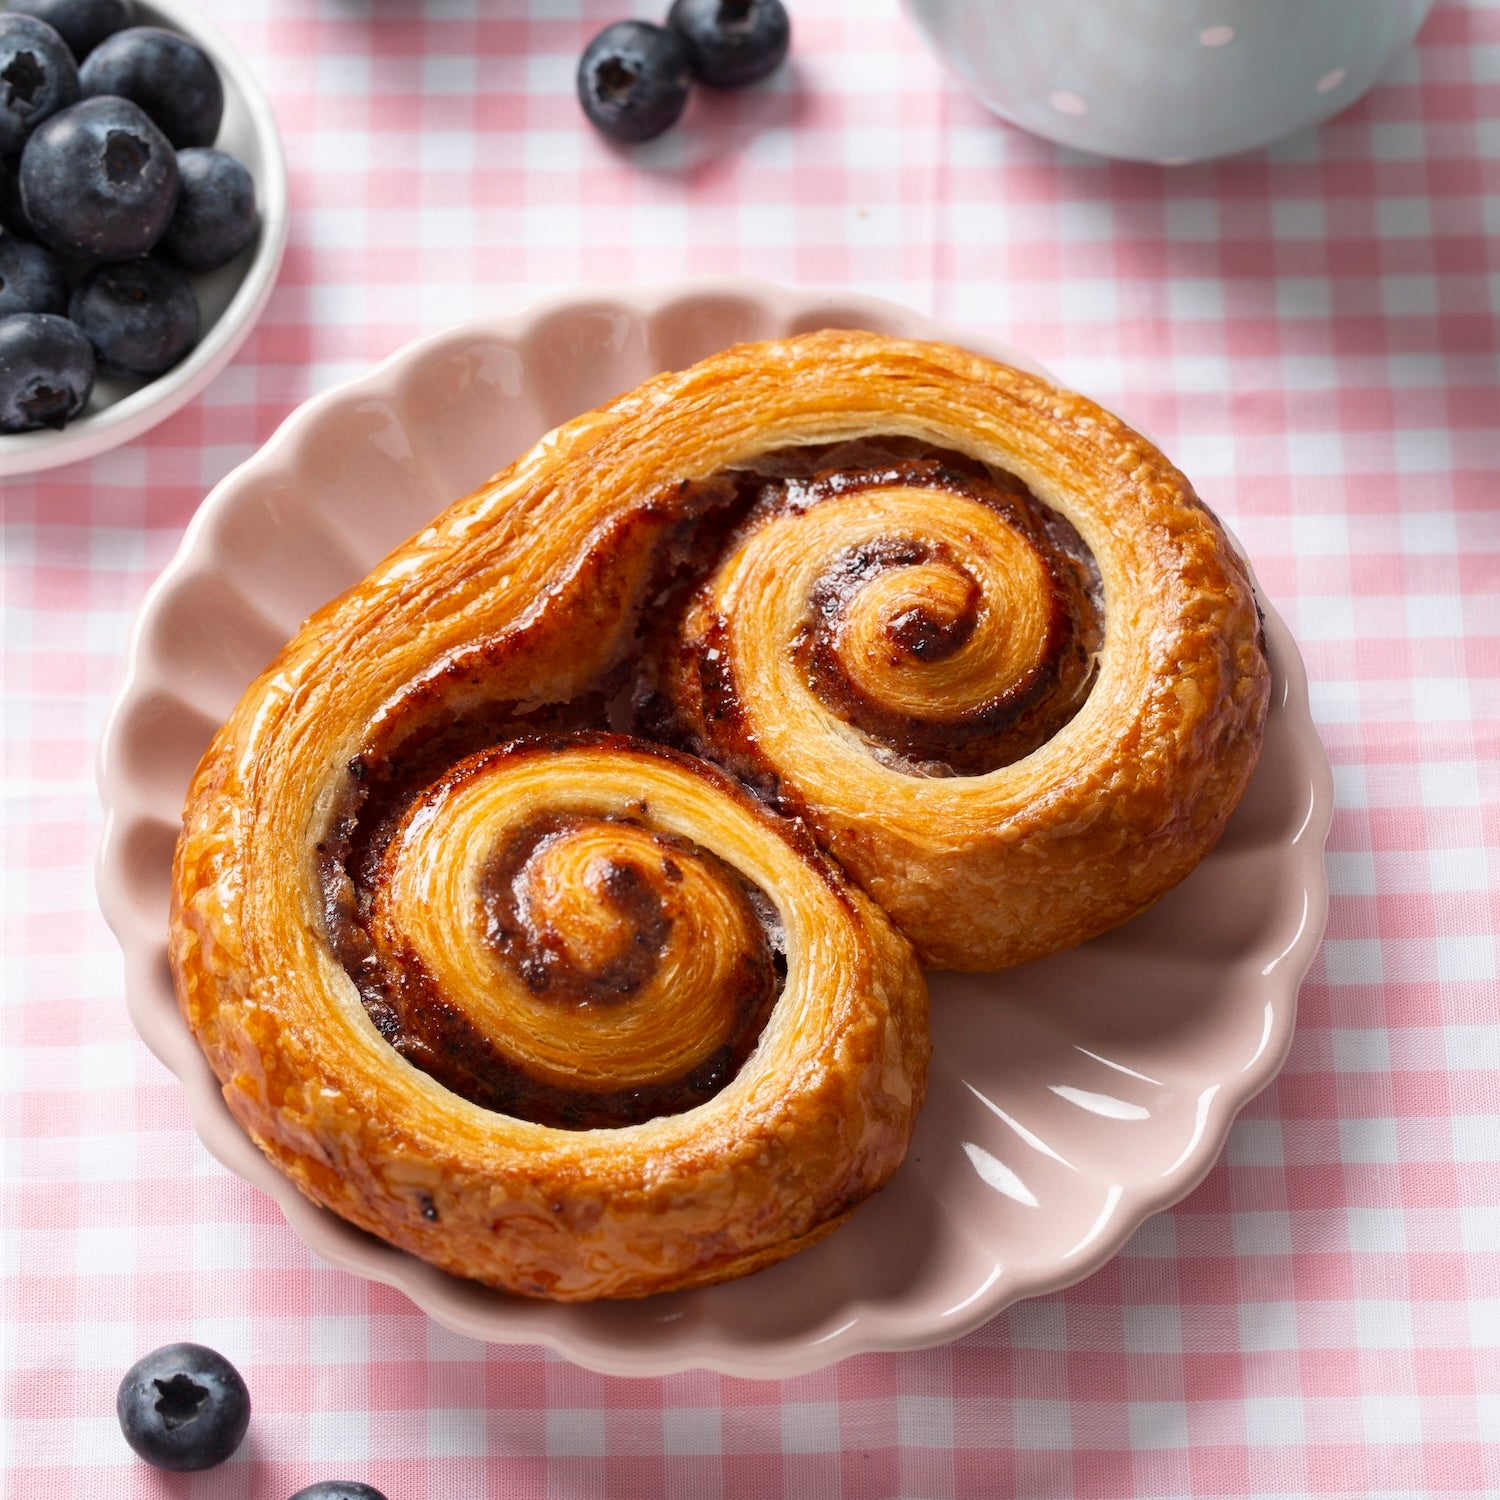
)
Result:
{"points": [[1310, 331]]}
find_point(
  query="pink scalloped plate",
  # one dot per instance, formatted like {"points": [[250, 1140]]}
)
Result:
{"points": [[1070, 1098]]}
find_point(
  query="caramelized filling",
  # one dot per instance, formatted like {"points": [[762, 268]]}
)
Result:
{"points": [[587, 951], [939, 615], [884, 606], [947, 608]]}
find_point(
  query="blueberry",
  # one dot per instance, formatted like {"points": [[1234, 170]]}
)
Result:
{"points": [[32, 278], [633, 80], [82, 24], [183, 1407], [99, 180], [215, 217], [732, 42], [338, 1489], [46, 371], [171, 78], [141, 316], [38, 77]]}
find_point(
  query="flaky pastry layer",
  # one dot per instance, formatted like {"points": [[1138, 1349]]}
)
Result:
{"points": [[530, 597]]}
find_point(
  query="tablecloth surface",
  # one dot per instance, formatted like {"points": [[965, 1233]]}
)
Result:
{"points": [[1310, 331]]}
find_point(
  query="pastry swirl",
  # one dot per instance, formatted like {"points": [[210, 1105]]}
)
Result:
{"points": [[581, 1069], [582, 1013], [549, 943], [1016, 688]]}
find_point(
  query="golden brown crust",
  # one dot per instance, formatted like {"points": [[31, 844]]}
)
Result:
{"points": [[521, 604], [816, 1119], [1129, 792]]}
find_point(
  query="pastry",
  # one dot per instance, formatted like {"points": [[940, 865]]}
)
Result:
{"points": [[978, 633], [541, 907]]}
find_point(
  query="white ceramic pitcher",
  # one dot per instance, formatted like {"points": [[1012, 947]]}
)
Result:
{"points": [[1167, 80]]}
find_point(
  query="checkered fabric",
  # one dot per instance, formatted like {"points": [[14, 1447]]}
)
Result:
{"points": [[1310, 331]]}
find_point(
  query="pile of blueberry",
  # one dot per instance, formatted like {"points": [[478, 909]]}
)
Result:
{"points": [[110, 193], [184, 1407], [634, 78]]}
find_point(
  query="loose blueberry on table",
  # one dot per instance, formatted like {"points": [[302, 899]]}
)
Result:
{"points": [[732, 42], [99, 180], [46, 371], [141, 316], [170, 77], [338, 1489], [183, 1407], [633, 80], [82, 24], [38, 77]]}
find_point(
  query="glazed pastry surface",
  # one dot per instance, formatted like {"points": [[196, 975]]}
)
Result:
{"points": [[1016, 686], [582, 1013]]}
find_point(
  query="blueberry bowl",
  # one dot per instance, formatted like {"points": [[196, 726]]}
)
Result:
{"points": [[230, 298]]}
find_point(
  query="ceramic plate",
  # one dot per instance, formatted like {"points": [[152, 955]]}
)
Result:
{"points": [[1069, 1099], [232, 298]]}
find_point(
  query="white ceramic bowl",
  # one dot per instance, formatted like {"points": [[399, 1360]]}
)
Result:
{"points": [[1168, 81], [1069, 1098], [232, 297]]}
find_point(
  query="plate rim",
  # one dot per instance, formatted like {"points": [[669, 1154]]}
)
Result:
{"points": [[167, 1036]]}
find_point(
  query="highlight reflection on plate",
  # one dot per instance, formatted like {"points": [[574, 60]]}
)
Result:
{"points": [[1069, 1098]]}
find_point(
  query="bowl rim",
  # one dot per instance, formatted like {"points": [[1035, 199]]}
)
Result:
{"points": [[142, 409], [443, 1298]]}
